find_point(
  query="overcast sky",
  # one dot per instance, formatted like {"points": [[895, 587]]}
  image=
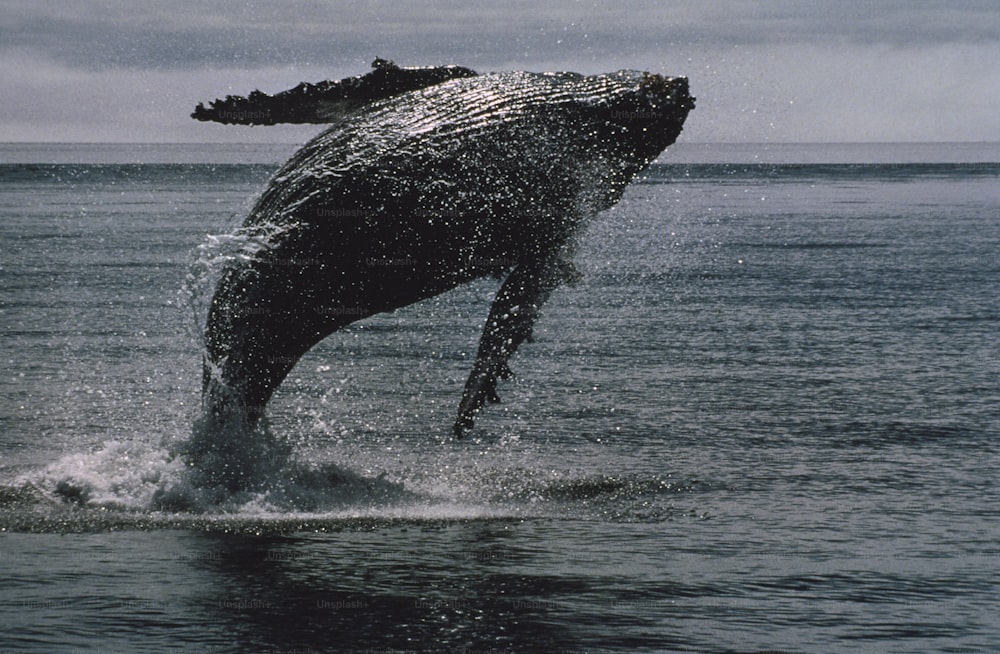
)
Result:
{"points": [[763, 71]]}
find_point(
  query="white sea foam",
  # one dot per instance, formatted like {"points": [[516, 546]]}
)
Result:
{"points": [[121, 475], [139, 479]]}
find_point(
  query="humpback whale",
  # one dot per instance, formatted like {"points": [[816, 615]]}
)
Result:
{"points": [[425, 179]]}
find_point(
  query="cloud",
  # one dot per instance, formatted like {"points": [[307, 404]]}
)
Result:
{"points": [[165, 34], [48, 101], [896, 93], [767, 70]]}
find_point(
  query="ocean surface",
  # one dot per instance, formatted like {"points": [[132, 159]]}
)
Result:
{"points": [[767, 418]]}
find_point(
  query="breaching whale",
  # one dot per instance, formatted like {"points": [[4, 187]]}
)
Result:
{"points": [[427, 178]]}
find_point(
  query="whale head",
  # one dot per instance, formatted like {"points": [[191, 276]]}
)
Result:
{"points": [[650, 109], [622, 122]]}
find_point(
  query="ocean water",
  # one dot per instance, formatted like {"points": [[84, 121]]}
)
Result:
{"points": [[768, 418]]}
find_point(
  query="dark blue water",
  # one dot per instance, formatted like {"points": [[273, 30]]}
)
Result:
{"points": [[767, 418]]}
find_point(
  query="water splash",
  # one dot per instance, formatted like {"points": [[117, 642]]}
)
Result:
{"points": [[227, 453], [210, 259], [126, 485], [226, 450]]}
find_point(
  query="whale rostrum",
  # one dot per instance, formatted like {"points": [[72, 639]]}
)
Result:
{"points": [[426, 178]]}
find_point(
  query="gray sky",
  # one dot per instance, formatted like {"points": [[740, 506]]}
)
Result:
{"points": [[763, 71]]}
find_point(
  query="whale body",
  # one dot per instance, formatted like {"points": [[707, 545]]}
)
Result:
{"points": [[417, 190]]}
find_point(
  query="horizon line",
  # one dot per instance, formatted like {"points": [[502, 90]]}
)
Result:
{"points": [[680, 143]]}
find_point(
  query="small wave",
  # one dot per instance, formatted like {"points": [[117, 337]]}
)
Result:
{"points": [[813, 245]]}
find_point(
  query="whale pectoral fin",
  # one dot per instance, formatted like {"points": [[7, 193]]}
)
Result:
{"points": [[327, 101], [511, 318]]}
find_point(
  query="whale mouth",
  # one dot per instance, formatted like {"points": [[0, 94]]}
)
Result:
{"points": [[673, 90]]}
